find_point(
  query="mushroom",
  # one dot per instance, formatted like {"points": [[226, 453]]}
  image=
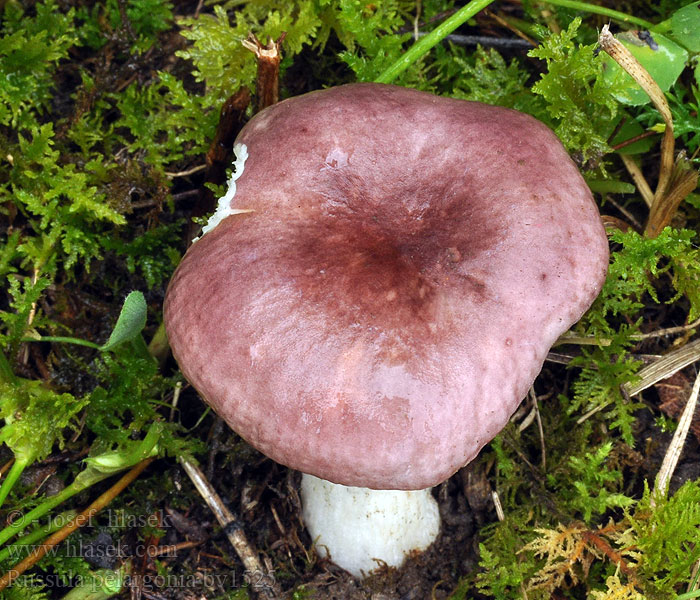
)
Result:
{"points": [[379, 295]]}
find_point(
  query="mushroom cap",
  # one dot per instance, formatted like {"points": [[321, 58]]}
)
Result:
{"points": [[409, 262]]}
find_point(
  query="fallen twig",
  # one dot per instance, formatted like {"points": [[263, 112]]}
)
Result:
{"points": [[268, 58], [262, 580]]}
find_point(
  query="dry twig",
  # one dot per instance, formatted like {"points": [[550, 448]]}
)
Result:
{"points": [[268, 57], [262, 579]]}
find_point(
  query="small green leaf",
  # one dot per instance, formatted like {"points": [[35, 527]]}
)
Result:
{"points": [[685, 26], [662, 58], [132, 319], [127, 456]]}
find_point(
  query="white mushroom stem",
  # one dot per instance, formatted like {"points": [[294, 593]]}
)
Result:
{"points": [[362, 529]]}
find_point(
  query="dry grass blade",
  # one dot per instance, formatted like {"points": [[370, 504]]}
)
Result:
{"points": [[668, 466], [665, 367], [639, 179], [499, 18], [623, 57], [498, 506], [571, 338], [613, 224], [676, 180], [684, 180]]}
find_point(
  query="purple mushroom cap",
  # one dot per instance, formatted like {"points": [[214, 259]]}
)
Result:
{"points": [[408, 262]]}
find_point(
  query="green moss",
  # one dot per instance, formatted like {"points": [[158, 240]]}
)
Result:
{"points": [[30, 49], [579, 102]]}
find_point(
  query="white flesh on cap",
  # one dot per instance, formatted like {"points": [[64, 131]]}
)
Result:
{"points": [[224, 208], [361, 529]]}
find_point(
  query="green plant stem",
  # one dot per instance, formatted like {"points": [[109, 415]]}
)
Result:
{"points": [[58, 338], [47, 506], [140, 348], [610, 186], [523, 26], [6, 373], [83, 518], [438, 34], [15, 472], [601, 10], [100, 585], [158, 346], [39, 533], [85, 479]]}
